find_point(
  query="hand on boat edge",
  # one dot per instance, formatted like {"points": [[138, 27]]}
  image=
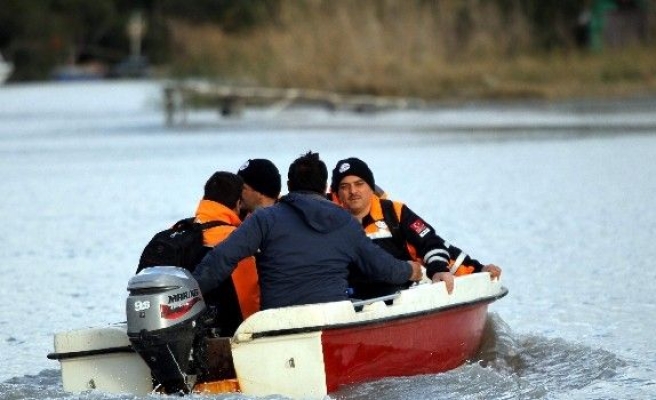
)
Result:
{"points": [[495, 271], [447, 278], [417, 272]]}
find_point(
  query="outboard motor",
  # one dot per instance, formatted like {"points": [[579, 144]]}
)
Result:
{"points": [[164, 314]]}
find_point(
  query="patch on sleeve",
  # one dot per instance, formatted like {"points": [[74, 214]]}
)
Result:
{"points": [[420, 228]]}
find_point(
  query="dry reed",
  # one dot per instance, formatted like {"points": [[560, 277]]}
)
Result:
{"points": [[434, 50]]}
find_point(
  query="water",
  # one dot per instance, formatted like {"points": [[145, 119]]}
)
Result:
{"points": [[559, 195]]}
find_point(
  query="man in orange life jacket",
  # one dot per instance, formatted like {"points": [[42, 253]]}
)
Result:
{"points": [[239, 296], [398, 230]]}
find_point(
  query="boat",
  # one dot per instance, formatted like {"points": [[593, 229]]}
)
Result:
{"points": [[305, 351], [6, 68], [88, 71]]}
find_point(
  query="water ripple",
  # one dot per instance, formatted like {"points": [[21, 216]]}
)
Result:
{"points": [[508, 366]]}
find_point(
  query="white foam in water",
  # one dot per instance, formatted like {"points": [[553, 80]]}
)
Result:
{"points": [[559, 195]]}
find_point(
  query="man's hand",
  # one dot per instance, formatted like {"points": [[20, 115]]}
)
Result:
{"points": [[447, 278], [416, 271], [495, 272]]}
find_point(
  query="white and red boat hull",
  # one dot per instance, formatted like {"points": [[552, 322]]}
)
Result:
{"points": [[311, 350]]}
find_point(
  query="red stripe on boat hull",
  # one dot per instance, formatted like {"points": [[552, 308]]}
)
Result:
{"points": [[428, 343]]}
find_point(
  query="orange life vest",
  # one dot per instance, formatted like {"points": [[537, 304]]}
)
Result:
{"points": [[382, 228], [244, 277]]}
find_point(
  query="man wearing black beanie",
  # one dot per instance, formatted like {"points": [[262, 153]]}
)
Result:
{"points": [[397, 229], [262, 184]]}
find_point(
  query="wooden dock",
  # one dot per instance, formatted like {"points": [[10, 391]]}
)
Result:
{"points": [[179, 97]]}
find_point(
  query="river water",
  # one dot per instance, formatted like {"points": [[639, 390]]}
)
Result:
{"points": [[560, 195]]}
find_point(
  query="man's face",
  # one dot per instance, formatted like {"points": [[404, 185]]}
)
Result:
{"points": [[355, 194], [250, 199]]}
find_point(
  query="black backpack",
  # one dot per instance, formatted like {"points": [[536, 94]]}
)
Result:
{"points": [[179, 246]]}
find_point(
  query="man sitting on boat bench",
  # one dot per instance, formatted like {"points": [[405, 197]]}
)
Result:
{"points": [[239, 295], [398, 230]]}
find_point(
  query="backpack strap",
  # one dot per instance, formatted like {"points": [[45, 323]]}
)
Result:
{"points": [[190, 223], [212, 224], [392, 221]]}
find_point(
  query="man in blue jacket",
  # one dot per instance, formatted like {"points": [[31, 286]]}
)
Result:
{"points": [[305, 244]]}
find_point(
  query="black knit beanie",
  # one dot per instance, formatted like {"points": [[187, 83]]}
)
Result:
{"points": [[262, 175], [351, 166]]}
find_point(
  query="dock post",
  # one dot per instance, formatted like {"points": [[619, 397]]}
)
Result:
{"points": [[169, 105]]}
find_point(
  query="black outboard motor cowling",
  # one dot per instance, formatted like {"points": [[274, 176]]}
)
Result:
{"points": [[164, 312]]}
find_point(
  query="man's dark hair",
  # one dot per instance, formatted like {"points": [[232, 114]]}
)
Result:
{"points": [[225, 188], [309, 173]]}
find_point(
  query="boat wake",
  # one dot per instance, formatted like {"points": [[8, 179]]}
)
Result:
{"points": [[508, 366], [48, 385]]}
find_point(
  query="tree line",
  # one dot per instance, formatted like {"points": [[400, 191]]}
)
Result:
{"points": [[37, 35]]}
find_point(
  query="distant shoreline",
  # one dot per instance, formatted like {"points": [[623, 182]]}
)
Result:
{"points": [[367, 48]]}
